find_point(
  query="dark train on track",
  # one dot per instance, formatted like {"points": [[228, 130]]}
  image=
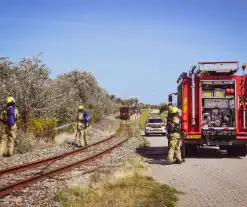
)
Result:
{"points": [[127, 111]]}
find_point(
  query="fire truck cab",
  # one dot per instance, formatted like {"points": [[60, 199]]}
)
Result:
{"points": [[213, 101]]}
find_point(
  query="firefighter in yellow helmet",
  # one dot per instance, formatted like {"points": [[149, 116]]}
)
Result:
{"points": [[82, 124], [175, 136], [9, 116]]}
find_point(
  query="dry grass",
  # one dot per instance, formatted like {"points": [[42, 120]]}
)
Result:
{"points": [[128, 187], [125, 129], [145, 143], [25, 143], [136, 128], [143, 118]]}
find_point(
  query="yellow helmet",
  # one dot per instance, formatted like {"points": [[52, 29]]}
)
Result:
{"points": [[81, 107], [174, 110], [10, 100]]}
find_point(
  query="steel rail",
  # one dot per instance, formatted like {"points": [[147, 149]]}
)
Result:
{"points": [[6, 190], [38, 163]]}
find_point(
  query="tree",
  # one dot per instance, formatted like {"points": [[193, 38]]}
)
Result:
{"points": [[28, 82], [37, 95], [163, 107]]}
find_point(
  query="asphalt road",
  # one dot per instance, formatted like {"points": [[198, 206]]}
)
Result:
{"points": [[211, 179]]}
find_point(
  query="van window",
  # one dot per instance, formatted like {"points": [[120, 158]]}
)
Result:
{"points": [[155, 121]]}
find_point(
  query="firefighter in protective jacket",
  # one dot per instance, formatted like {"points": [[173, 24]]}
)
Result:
{"points": [[82, 124], [9, 117], [175, 136], [169, 119]]}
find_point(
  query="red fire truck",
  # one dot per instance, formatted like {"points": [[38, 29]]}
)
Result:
{"points": [[213, 100]]}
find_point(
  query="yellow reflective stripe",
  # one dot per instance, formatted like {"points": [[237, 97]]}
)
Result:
{"points": [[193, 137], [185, 108], [185, 100]]}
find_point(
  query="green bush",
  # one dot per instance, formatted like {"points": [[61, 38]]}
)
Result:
{"points": [[42, 127], [63, 116], [22, 143], [163, 108], [71, 129], [96, 112]]}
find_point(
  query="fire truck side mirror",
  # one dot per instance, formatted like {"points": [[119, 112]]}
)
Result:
{"points": [[170, 98], [243, 66]]}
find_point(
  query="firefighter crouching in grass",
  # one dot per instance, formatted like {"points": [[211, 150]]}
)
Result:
{"points": [[175, 140], [82, 124], [9, 117]]}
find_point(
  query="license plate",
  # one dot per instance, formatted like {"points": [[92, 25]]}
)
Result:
{"points": [[156, 129], [193, 136], [155, 125]]}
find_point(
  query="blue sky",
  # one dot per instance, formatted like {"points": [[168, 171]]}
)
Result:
{"points": [[134, 48]]}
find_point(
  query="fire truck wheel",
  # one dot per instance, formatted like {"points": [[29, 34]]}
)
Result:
{"points": [[237, 150], [190, 149]]}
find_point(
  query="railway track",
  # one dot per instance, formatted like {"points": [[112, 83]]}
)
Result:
{"points": [[46, 168]]}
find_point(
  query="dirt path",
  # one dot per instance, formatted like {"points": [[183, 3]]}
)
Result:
{"points": [[213, 179]]}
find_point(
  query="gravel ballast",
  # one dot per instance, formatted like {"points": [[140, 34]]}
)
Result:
{"points": [[42, 193], [97, 133], [11, 178]]}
